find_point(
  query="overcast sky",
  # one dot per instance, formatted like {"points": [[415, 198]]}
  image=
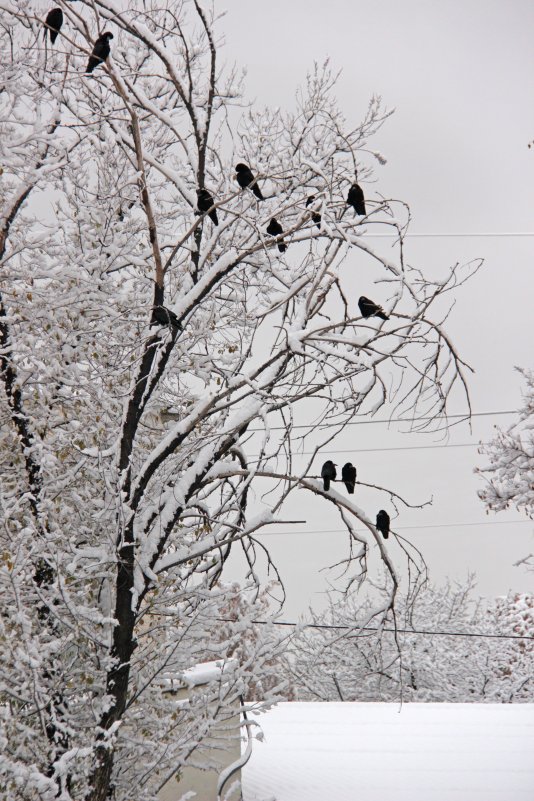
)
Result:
{"points": [[459, 75]]}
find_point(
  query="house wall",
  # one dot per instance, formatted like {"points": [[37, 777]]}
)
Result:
{"points": [[221, 749]]}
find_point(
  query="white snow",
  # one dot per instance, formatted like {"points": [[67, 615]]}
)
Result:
{"points": [[382, 752], [206, 672], [199, 674]]}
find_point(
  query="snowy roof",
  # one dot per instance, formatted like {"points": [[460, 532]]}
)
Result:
{"points": [[381, 752]]}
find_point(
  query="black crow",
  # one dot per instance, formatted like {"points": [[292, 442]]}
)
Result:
{"points": [[205, 203], [101, 51], [348, 477], [328, 474], [161, 315], [275, 229], [54, 21], [382, 523], [316, 217], [356, 199], [370, 309], [245, 178]]}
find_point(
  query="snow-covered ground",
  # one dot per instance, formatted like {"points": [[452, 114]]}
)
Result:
{"points": [[379, 752]]}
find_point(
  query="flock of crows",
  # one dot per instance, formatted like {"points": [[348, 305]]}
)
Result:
{"points": [[244, 175], [205, 203], [348, 477], [368, 308], [246, 180]]}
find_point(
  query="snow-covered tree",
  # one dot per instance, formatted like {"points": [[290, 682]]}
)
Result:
{"points": [[150, 356], [510, 473], [412, 657]]}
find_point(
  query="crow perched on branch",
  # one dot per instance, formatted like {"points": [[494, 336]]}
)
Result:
{"points": [[205, 203], [382, 523], [356, 199], [328, 474], [101, 51], [370, 309], [316, 217], [275, 229], [161, 315], [348, 477], [246, 178], [54, 21]]}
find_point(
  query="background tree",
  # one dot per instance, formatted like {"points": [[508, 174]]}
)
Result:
{"points": [[510, 472], [384, 663], [146, 354], [509, 475]]}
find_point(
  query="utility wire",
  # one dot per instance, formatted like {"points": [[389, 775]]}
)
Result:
{"points": [[402, 448], [454, 234], [424, 632], [400, 528], [374, 450], [386, 422]]}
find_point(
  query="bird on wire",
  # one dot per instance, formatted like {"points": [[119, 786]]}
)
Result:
{"points": [[54, 21], [275, 229], [101, 51], [316, 217], [370, 309], [328, 474], [382, 523], [161, 315], [356, 199], [348, 477], [245, 178], [205, 203]]}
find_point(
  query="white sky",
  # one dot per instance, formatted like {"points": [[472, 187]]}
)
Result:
{"points": [[459, 74]]}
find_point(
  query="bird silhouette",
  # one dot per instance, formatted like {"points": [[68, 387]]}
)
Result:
{"points": [[348, 477], [205, 203], [101, 51], [246, 178], [356, 199], [328, 474], [54, 21], [275, 229], [161, 315], [369, 309], [316, 217], [382, 523]]}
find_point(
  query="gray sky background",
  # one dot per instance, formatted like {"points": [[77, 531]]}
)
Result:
{"points": [[459, 75]]}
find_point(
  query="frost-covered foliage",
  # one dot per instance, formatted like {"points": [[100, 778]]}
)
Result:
{"points": [[510, 473], [388, 664], [141, 346]]}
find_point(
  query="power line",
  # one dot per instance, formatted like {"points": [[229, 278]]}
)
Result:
{"points": [[424, 632], [386, 422], [396, 448], [454, 234], [400, 528]]}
